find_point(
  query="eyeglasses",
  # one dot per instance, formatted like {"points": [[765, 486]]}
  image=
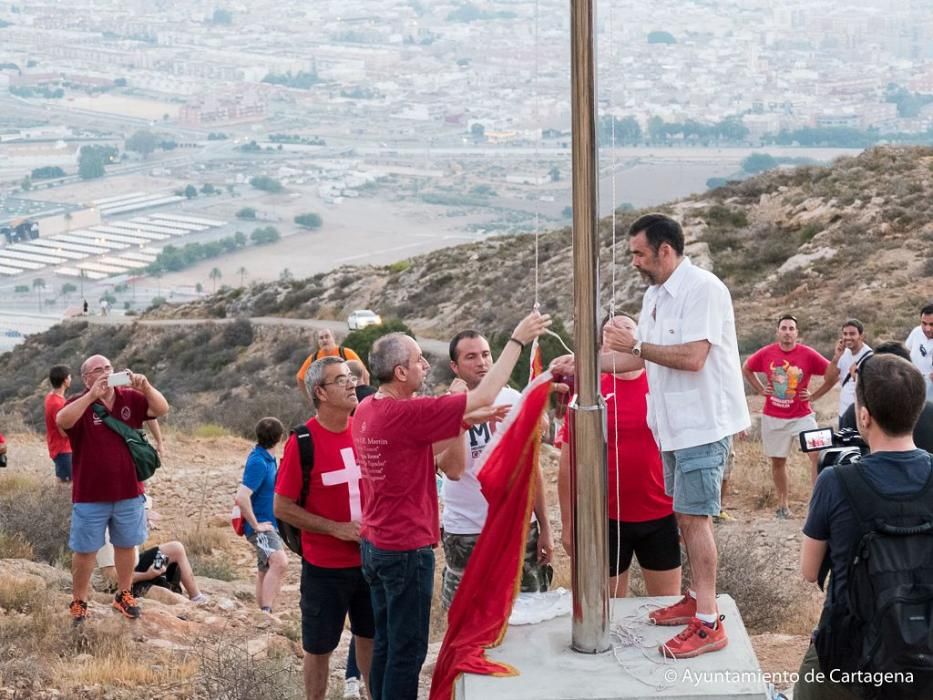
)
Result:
{"points": [[98, 370], [342, 380]]}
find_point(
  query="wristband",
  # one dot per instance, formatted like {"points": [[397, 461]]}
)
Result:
{"points": [[513, 339]]}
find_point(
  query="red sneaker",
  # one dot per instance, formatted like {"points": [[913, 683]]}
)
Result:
{"points": [[698, 638], [680, 613]]}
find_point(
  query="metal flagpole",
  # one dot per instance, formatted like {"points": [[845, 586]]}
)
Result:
{"points": [[587, 414]]}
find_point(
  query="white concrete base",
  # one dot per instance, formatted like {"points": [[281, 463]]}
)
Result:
{"points": [[550, 670]]}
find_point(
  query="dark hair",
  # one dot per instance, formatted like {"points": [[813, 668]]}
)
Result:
{"points": [[659, 229], [268, 432], [455, 341], [892, 390], [855, 323], [893, 347], [926, 310], [788, 317], [58, 374]]}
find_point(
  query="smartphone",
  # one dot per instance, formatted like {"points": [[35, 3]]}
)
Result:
{"points": [[119, 379], [813, 440]]}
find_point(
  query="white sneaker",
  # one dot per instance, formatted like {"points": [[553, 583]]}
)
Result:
{"points": [[351, 688]]}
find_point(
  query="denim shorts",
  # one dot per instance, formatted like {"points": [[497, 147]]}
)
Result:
{"points": [[63, 466], [693, 476], [125, 519]]}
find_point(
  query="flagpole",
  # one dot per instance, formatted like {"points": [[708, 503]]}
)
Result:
{"points": [[590, 630]]}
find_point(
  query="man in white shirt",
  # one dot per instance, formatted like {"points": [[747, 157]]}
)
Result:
{"points": [[686, 341], [920, 344], [851, 350], [465, 507]]}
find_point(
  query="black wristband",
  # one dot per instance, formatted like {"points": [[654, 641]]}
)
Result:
{"points": [[516, 340]]}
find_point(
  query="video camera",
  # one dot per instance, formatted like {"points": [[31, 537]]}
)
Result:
{"points": [[835, 447]]}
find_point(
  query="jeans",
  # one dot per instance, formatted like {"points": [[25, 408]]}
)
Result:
{"points": [[401, 584]]}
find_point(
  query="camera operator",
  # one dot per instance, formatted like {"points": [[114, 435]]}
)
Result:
{"points": [[889, 398], [923, 431]]}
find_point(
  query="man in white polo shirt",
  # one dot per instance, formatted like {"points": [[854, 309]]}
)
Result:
{"points": [[686, 341], [920, 344]]}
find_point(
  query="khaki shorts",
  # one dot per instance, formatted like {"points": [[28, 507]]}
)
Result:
{"points": [[780, 435]]}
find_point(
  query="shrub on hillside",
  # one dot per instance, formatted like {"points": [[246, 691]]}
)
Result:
{"points": [[227, 670], [38, 515], [361, 341]]}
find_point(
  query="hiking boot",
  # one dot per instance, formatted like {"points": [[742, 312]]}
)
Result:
{"points": [[723, 517], [698, 638], [78, 610], [680, 613], [783, 513], [126, 604]]}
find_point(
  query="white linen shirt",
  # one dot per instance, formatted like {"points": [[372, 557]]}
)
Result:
{"points": [[688, 409]]}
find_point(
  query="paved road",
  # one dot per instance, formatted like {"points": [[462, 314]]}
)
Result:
{"points": [[430, 346]]}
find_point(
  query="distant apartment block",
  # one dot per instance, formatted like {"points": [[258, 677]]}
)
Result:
{"points": [[223, 109]]}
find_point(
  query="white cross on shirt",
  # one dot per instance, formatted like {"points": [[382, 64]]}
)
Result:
{"points": [[350, 476]]}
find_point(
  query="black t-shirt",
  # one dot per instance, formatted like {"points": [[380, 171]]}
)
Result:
{"points": [[923, 431], [831, 519]]}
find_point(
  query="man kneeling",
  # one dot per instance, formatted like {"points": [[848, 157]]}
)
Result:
{"points": [[332, 583]]}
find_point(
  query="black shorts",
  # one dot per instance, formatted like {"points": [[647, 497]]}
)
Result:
{"points": [[656, 543], [327, 597]]}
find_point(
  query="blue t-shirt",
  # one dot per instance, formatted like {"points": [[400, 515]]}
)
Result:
{"points": [[832, 520], [259, 477]]}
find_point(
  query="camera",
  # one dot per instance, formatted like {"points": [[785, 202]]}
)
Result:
{"points": [[835, 447], [119, 379], [159, 561]]}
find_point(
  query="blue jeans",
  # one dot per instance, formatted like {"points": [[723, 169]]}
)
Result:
{"points": [[401, 585]]}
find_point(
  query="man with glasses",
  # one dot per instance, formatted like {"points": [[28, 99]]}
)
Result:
{"points": [[397, 435], [327, 347], [105, 492], [332, 583], [788, 367], [920, 344]]}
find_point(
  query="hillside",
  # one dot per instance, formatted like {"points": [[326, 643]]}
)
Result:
{"points": [[853, 239]]}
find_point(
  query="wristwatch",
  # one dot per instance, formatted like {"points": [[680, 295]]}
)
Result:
{"points": [[636, 350]]}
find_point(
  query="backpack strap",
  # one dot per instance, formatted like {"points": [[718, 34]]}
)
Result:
{"points": [[342, 352], [306, 453], [872, 510], [858, 363]]}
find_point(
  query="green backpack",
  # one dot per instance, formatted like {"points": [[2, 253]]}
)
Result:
{"points": [[144, 455]]}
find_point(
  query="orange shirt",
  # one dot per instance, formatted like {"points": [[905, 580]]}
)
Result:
{"points": [[324, 352]]}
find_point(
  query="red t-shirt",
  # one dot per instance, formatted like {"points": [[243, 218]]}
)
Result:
{"points": [[393, 444], [57, 442], [102, 470], [334, 493], [788, 373], [636, 487]]}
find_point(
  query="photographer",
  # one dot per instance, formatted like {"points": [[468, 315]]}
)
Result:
{"points": [[923, 430], [896, 476]]}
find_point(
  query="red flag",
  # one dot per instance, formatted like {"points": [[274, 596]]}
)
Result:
{"points": [[479, 614]]}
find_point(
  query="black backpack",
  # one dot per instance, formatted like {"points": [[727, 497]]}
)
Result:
{"points": [[885, 622], [290, 534]]}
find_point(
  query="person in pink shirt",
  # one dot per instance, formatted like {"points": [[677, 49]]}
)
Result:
{"points": [[396, 435], [788, 366]]}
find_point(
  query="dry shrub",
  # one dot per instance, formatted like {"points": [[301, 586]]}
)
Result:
{"points": [[219, 568], [769, 599], [203, 540], [211, 430], [40, 515], [118, 662], [27, 641], [20, 594], [227, 670], [15, 547]]}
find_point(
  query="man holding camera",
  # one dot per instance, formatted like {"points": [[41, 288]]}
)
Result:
{"points": [[105, 491], [889, 396], [788, 367]]}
